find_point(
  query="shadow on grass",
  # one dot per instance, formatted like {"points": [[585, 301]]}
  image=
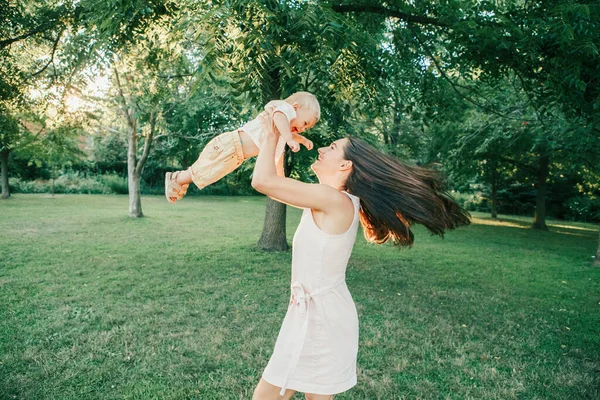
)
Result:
{"points": [[554, 226]]}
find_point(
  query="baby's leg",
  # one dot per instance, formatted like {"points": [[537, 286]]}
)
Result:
{"points": [[184, 177], [222, 155], [249, 149]]}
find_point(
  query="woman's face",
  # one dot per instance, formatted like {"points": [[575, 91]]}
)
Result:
{"points": [[331, 159]]}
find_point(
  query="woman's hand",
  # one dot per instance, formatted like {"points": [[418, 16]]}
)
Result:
{"points": [[266, 122]]}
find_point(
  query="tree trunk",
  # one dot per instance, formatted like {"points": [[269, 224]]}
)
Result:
{"points": [[386, 136], [135, 199], [597, 259], [54, 174], [539, 219], [392, 130], [273, 237], [395, 131], [133, 179], [4, 163], [494, 193]]}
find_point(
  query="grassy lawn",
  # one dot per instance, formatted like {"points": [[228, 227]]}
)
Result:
{"points": [[178, 305]]}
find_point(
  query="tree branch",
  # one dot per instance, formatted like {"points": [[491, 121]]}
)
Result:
{"points": [[122, 95], [147, 143], [519, 164], [309, 84], [198, 138], [389, 13], [39, 29], [52, 55], [113, 130], [160, 136], [171, 76], [306, 81], [453, 84]]}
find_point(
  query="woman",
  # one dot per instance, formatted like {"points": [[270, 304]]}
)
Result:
{"points": [[316, 349]]}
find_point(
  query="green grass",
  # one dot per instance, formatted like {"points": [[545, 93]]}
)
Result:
{"points": [[180, 304]]}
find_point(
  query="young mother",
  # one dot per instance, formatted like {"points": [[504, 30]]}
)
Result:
{"points": [[316, 349]]}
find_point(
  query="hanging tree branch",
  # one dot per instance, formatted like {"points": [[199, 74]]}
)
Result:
{"points": [[51, 56], [453, 84]]}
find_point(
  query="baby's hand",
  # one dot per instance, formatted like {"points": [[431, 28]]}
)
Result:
{"points": [[294, 145], [308, 144]]}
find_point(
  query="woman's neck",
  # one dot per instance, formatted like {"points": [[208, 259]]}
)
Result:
{"points": [[334, 182]]}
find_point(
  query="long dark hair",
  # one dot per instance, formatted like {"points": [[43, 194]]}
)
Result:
{"points": [[394, 195]]}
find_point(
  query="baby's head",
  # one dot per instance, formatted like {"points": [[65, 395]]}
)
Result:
{"points": [[308, 111]]}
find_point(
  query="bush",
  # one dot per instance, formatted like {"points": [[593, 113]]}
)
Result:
{"points": [[61, 185], [16, 185], [117, 184], [583, 208], [71, 182], [75, 182], [471, 201], [516, 200]]}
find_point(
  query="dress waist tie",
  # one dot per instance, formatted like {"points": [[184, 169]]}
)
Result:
{"points": [[301, 299]]}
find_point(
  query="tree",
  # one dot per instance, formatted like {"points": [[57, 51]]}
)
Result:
{"points": [[133, 40], [551, 47], [47, 43], [268, 50], [140, 103], [29, 36], [9, 137], [517, 143], [597, 258]]}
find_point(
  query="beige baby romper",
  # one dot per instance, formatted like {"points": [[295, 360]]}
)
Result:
{"points": [[317, 345]]}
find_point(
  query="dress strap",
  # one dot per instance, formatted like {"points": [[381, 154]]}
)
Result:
{"points": [[355, 200]]}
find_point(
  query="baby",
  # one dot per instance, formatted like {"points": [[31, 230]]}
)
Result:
{"points": [[225, 152]]}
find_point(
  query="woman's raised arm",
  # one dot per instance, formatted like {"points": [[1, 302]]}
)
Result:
{"points": [[286, 190]]}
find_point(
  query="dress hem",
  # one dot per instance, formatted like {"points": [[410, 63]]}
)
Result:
{"points": [[304, 387]]}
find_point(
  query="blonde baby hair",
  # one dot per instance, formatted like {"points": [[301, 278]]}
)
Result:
{"points": [[306, 100]]}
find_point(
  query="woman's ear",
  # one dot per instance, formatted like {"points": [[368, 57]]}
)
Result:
{"points": [[346, 165]]}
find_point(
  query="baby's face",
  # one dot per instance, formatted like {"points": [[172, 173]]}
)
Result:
{"points": [[305, 119]]}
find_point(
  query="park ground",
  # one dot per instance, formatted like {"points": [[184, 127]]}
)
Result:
{"points": [[181, 305]]}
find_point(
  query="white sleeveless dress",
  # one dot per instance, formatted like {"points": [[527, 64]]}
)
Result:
{"points": [[317, 345]]}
